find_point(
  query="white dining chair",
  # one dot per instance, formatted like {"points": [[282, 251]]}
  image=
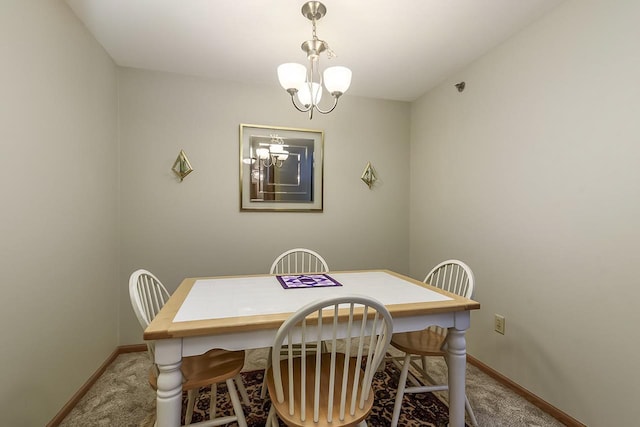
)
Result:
{"points": [[148, 295], [453, 276], [295, 261], [328, 388], [299, 261]]}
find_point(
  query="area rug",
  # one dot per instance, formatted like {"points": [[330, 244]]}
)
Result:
{"points": [[419, 409]]}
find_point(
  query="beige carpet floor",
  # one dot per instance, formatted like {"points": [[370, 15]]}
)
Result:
{"points": [[122, 397]]}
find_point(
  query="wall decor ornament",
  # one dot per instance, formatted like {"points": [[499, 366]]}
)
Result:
{"points": [[182, 166], [369, 175], [281, 169]]}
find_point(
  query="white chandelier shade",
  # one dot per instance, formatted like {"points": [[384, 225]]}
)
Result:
{"points": [[294, 76], [337, 79], [291, 75], [304, 93]]}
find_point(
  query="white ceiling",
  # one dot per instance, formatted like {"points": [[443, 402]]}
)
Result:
{"points": [[397, 49]]}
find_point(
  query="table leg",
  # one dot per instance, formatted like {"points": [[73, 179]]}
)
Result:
{"points": [[457, 361], [168, 355]]}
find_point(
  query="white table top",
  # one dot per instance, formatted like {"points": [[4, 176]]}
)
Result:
{"points": [[217, 298]]}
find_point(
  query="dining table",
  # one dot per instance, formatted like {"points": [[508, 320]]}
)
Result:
{"points": [[245, 311]]}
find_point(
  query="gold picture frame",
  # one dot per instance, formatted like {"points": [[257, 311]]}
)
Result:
{"points": [[281, 169]]}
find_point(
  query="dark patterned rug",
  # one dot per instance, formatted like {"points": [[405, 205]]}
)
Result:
{"points": [[419, 409]]}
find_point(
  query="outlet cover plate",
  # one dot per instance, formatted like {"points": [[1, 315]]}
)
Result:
{"points": [[499, 324]]}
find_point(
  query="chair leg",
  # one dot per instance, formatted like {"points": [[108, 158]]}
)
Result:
{"points": [[263, 391], [424, 368], [272, 418], [235, 401], [191, 397], [472, 416], [242, 390], [400, 393], [395, 362], [213, 405], [412, 378]]}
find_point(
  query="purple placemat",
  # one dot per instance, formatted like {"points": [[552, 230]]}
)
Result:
{"points": [[307, 281]]}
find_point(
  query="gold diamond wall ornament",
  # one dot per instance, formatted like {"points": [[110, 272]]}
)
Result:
{"points": [[182, 166], [369, 175]]}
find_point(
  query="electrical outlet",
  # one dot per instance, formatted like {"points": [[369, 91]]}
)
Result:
{"points": [[499, 323]]}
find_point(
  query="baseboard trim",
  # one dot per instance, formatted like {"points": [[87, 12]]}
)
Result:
{"points": [[133, 348], [556, 413], [57, 420]]}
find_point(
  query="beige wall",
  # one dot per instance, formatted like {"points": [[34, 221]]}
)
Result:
{"points": [[531, 176], [195, 227], [58, 222]]}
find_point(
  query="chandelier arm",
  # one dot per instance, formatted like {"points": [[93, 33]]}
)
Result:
{"points": [[335, 103], [302, 110]]}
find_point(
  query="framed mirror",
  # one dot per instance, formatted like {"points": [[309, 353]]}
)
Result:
{"points": [[281, 169]]}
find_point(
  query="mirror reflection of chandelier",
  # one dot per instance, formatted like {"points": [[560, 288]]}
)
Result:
{"points": [[275, 155], [305, 84]]}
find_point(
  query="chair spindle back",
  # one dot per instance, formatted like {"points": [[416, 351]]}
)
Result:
{"points": [[148, 295], [299, 260], [453, 276], [341, 381]]}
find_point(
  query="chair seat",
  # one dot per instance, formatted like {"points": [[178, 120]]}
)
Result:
{"points": [[424, 343], [294, 420], [214, 366]]}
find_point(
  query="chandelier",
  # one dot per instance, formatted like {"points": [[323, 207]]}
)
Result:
{"points": [[275, 155], [305, 84]]}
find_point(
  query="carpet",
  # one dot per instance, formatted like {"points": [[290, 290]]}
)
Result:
{"points": [[419, 409]]}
